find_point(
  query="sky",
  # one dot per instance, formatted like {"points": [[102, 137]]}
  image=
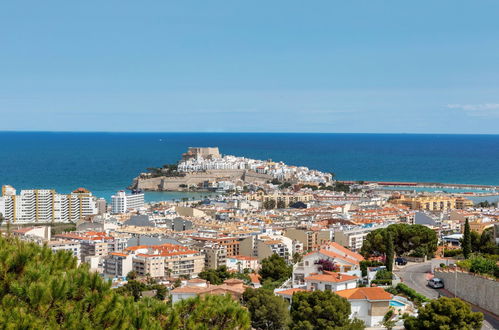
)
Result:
{"points": [[250, 66]]}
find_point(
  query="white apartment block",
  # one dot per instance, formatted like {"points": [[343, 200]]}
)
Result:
{"points": [[123, 202], [45, 205], [65, 245]]}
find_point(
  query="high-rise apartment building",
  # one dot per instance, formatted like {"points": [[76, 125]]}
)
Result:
{"points": [[45, 205], [123, 202]]}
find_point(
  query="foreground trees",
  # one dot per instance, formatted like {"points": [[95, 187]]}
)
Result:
{"points": [[267, 310], [40, 289], [275, 269], [322, 310], [417, 240], [445, 313]]}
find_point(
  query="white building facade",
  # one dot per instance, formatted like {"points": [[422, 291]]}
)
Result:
{"points": [[45, 205], [123, 202]]}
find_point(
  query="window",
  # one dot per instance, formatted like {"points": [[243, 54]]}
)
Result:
{"points": [[328, 287]]}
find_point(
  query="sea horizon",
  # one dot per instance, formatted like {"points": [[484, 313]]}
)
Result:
{"points": [[105, 162]]}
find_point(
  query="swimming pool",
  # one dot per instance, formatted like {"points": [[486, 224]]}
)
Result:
{"points": [[395, 303]]}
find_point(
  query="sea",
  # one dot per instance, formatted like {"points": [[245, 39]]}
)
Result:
{"points": [[107, 162]]}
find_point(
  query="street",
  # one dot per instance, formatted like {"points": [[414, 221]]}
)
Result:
{"points": [[415, 276]]}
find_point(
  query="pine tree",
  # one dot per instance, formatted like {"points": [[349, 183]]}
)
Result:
{"points": [[466, 240], [390, 251]]}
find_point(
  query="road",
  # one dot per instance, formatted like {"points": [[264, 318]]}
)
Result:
{"points": [[415, 276]]}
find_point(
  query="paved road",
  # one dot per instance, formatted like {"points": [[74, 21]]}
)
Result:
{"points": [[415, 277]]}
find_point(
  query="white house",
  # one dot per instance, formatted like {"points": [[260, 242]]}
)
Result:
{"points": [[368, 304], [310, 264], [240, 263], [330, 281]]}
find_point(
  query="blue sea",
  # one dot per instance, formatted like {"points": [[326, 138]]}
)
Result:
{"points": [[107, 162]]}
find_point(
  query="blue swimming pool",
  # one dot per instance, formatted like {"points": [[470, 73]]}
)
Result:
{"points": [[395, 303]]}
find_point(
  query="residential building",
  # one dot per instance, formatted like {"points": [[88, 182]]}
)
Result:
{"points": [[240, 263], [432, 202], [312, 264], [65, 245], [353, 238], [369, 304], [278, 197], [310, 239], [215, 256], [46, 206], [123, 202], [198, 287], [166, 260], [96, 244], [118, 264], [330, 281]]}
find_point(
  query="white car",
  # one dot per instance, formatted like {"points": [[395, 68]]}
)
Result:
{"points": [[436, 283]]}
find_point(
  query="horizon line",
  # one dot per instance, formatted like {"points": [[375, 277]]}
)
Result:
{"points": [[240, 132]]}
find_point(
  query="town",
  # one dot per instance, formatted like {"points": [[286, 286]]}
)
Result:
{"points": [[287, 229]]}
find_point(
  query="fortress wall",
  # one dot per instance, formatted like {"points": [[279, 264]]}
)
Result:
{"points": [[173, 183]]}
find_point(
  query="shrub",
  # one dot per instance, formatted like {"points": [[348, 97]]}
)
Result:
{"points": [[482, 265], [411, 293], [452, 253]]}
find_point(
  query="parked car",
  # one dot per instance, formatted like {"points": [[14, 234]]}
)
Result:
{"points": [[400, 261], [436, 283]]}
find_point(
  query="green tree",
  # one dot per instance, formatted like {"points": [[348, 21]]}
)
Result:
{"points": [[219, 275], [297, 257], [267, 310], [475, 241], [488, 243], [40, 289], [281, 204], [269, 204], [445, 313], [388, 321], [321, 310], [161, 292], [466, 244], [133, 288], [132, 275], [210, 312], [390, 251], [275, 269], [406, 239], [2, 219]]}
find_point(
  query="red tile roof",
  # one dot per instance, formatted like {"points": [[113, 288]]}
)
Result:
{"points": [[334, 278], [290, 292], [367, 293]]}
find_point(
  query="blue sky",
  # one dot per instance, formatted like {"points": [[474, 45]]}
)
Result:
{"points": [[257, 66]]}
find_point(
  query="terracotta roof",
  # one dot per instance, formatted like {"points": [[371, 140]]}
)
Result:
{"points": [[233, 281], [367, 293], [336, 278], [243, 258], [196, 280], [343, 249], [332, 254], [189, 289], [290, 292], [119, 254], [255, 278]]}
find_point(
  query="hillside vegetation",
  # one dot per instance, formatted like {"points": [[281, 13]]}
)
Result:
{"points": [[40, 289]]}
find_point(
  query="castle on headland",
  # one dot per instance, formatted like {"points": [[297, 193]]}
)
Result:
{"points": [[206, 168], [201, 153]]}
